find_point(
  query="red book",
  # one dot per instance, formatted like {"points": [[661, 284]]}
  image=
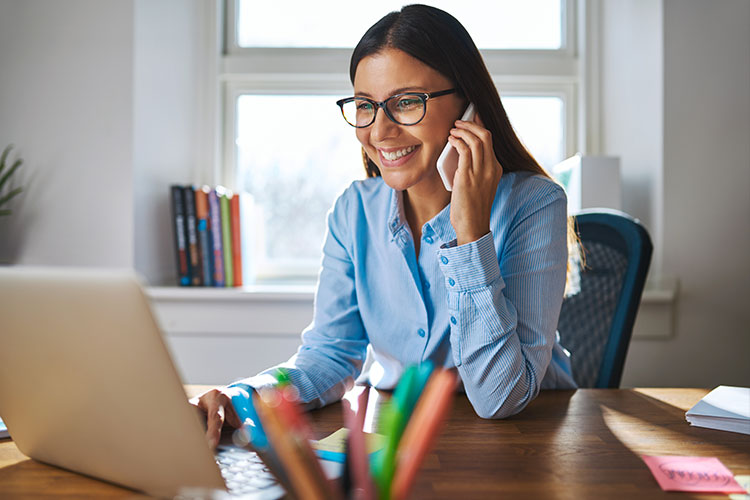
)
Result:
{"points": [[234, 209]]}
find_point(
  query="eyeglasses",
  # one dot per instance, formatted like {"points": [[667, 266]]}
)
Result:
{"points": [[408, 108]]}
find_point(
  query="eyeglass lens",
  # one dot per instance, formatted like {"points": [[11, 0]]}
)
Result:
{"points": [[405, 109]]}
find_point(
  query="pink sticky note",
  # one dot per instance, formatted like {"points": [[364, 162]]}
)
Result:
{"points": [[704, 474]]}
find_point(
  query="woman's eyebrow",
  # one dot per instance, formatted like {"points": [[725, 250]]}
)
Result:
{"points": [[394, 91]]}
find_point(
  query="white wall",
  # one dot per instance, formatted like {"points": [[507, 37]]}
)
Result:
{"points": [[66, 102], [106, 103], [631, 90], [703, 151], [172, 127]]}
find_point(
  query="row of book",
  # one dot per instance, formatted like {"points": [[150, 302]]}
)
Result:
{"points": [[207, 236]]}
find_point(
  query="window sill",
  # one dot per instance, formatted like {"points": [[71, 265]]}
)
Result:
{"points": [[281, 292], [258, 310]]}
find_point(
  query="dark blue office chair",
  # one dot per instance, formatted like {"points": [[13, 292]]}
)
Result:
{"points": [[596, 323]]}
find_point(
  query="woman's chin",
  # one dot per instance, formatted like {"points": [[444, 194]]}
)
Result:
{"points": [[398, 180], [401, 180]]}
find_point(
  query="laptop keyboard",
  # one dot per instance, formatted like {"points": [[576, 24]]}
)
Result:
{"points": [[245, 474]]}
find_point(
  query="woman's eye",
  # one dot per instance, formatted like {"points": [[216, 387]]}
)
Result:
{"points": [[408, 103], [364, 106]]}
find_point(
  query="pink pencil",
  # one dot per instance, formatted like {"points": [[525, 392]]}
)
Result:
{"points": [[364, 488]]}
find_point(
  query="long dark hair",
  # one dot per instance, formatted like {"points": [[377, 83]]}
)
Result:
{"points": [[437, 39]]}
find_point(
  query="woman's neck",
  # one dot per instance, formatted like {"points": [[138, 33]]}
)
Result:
{"points": [[421, 205]]}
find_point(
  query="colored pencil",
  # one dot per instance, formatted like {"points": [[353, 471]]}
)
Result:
{"points": [[424, 427], [357, 457], [299, 470]]}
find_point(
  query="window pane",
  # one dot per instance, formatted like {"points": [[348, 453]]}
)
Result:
{"points": [[497, 24], [540, 123], [295, 155]]}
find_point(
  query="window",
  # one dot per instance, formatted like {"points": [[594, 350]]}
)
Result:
{"points": [[295, 164]]}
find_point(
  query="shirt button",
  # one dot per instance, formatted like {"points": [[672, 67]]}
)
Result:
{"points": [[453, 320], [428, 239], [444, 259], [421, 332], [427, 285], [451, 282]]}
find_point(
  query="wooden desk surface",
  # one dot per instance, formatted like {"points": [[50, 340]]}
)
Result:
{"points": [[566, 444]]}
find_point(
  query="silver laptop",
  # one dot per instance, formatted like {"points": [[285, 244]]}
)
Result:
{"points": [[87, 384]]}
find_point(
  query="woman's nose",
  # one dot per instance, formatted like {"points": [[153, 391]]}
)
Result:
{"points": [[383, 127]]}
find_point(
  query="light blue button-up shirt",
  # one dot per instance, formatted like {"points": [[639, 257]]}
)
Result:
{"points": [[488, 308]]}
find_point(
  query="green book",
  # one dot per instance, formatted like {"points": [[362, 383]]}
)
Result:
{"points": [[226, 235]]}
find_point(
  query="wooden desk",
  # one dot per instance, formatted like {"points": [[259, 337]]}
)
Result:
{"points": [[566, 444]]}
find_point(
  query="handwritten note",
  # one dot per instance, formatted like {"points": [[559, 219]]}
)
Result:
{"points": [[701, 474]]}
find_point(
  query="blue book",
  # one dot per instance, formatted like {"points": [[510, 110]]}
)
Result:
{"points": [[203, 224]]}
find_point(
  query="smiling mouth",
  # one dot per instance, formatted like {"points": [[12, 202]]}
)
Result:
{"points": [[393, 156]]}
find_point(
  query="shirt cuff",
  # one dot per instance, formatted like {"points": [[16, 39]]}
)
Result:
{"points": [[469, 266], [256, 383]]}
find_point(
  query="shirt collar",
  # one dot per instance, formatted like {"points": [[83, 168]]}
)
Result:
{"points": [[396, 216], [441, 224]]}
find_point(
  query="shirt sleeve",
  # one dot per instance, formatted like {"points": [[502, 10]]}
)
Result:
{"points": [[504, 310], [334, 346]]}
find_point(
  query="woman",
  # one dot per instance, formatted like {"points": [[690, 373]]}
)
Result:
{"points": [[472, 278]]}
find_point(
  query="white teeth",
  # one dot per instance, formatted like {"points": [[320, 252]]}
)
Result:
{"points": [[395, 155]]}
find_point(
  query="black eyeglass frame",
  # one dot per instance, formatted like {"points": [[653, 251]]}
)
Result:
{"points": [[425, 96]]}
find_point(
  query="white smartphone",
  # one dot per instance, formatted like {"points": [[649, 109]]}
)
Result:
{"points": [[447, 163]]}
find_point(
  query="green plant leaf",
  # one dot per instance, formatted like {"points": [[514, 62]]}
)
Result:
{"points": [[7, 175], [5, 199], [3, 157]]}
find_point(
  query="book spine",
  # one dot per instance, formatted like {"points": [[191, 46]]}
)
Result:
{"points": [[234, 208], [204, 235], [218, 251], [192, 236], [180, 240], [226, 232]]}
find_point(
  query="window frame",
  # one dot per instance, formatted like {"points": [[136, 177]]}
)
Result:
{"points": [[324, 71]]}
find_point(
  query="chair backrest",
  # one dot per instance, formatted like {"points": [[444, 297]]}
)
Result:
{"points": [[596, 323]]}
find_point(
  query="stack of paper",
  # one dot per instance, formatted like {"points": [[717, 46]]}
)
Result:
{"points": [[725, 408]]}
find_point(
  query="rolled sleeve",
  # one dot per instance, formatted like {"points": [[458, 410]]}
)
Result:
{"points": [[470, 266]]}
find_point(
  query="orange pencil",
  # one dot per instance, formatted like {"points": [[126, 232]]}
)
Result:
{"points": [[302, 477], [423, 428], [300, 431]]}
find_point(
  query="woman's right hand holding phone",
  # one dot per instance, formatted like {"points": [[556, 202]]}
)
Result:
{"points": [[475, 182]]}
